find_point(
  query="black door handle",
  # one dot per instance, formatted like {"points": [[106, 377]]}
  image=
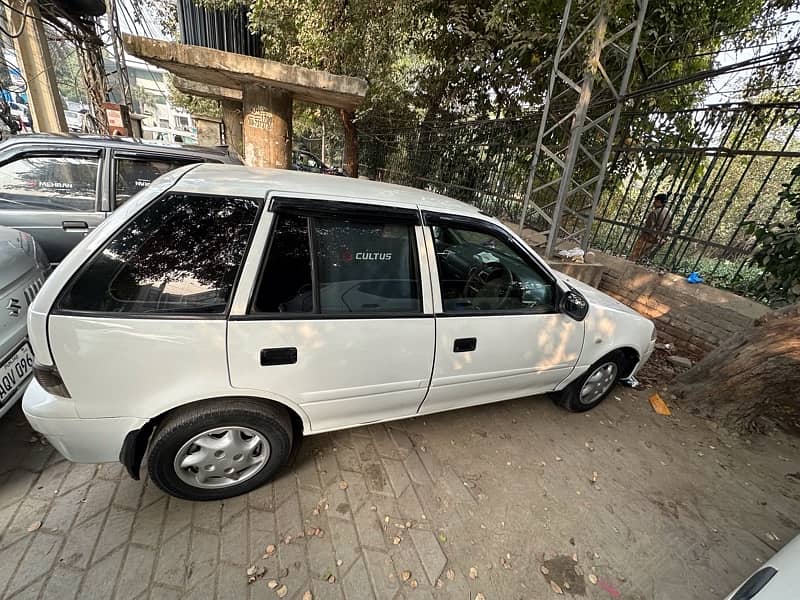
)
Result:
{"points": [[278, 356], [465, 345], [74, 225]]}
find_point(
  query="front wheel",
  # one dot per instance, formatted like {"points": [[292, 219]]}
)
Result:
{"points": [[591, 388], [213, 451]]}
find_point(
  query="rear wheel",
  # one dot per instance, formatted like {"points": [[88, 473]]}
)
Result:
{"points": [[212, 451], [591, 388]]}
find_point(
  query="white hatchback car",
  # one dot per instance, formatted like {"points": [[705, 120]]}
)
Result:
{"points": [[225, 312]]}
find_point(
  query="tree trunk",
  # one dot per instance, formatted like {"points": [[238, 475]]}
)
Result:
{"points": [[350, 157], [751, 382]]}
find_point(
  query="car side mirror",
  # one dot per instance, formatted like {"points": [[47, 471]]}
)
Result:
{"points": [[574, 305]]}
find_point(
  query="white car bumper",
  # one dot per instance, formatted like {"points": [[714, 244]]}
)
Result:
{"points": [[79, 440]]}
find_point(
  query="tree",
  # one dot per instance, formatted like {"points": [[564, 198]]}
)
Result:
{"points": [[749, 384], [778, 249]]}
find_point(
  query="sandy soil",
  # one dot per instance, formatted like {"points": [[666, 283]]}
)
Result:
{"points": [[651, 507]]}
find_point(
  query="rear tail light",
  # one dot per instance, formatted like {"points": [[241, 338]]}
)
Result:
{"points": [[50, 379]]}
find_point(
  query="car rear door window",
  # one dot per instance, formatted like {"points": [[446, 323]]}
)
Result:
{"points": [[180, 256], [134, 174], [365, 267], [43, 182], [285, 283], [339, 266]]}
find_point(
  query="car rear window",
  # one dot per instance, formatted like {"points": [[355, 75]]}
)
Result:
{"points": [[180, 256]]}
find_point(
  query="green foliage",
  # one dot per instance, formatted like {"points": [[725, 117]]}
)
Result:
{"points": [[69, 75], [778, 250], [194, 104], [721, 272]]}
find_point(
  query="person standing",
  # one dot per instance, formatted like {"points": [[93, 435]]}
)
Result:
{"points": [[654, 232]]}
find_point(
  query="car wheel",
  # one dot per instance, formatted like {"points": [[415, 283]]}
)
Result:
{"points": [[591, 388], [212, 451]]}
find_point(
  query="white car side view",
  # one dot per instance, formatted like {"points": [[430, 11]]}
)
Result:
{"points": [[225, 312]]}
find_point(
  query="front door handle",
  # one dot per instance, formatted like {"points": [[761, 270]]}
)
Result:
{"points": [[465, 345], [278, 356], [81, 226]]}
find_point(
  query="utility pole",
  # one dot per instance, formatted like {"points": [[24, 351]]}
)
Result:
{"points": [[34, 58], [577, 129]]}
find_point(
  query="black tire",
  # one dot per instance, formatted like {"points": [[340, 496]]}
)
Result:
{"points": [[179, 427], [570, 397]]}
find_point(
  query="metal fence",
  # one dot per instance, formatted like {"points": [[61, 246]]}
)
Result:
{"points": [[722, 167]]}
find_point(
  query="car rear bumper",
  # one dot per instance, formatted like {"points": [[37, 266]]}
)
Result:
{"points": [[79, 440]]}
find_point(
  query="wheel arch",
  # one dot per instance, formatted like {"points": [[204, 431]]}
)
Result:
{"points": [[630, 357], [136, 442]]}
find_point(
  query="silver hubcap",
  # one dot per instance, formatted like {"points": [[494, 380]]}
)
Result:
{"points": [[222, 457], [599, 382]]}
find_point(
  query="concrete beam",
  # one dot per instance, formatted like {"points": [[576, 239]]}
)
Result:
{"points": [[204, 90], [228, 70]]}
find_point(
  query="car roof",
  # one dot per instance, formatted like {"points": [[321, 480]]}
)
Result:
{"points": [[235, 180], [113, 141]]}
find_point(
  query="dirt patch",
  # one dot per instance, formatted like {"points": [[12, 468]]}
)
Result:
{"points": [[565, 573], [653, 507]]}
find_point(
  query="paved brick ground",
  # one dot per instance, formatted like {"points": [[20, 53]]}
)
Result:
{"points": [[105, 535], [656, 508]]}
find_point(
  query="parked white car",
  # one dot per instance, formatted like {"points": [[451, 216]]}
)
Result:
{"points": [[778, 579], [224, 312], [23, 268]]}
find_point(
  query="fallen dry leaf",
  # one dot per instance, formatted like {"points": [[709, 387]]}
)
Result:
{"points": [[451, 575], [343, 485], [270, 549], [413, 584], [282, 591], [405, 575], [658, 404], [593, 578], [396, 540], [544, 570], [480, 596], [574, 557], [339, 562], [272, 584], [34, 526], [594, 476], [307, 595], [555, 587], [332, 579], [473, 573], [287, 539], [251, 570]]}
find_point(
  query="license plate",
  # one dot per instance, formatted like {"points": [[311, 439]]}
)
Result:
{"points": [[15, 371]]}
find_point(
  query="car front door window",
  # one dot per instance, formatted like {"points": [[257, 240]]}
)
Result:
{"points": [[62, 183], [480, 272]]}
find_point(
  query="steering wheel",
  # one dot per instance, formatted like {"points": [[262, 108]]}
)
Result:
{"points": [[489, 286]]}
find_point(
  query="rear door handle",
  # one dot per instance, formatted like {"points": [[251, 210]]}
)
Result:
{"points": [[75, 226], [278, 356], [465, 345]]}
